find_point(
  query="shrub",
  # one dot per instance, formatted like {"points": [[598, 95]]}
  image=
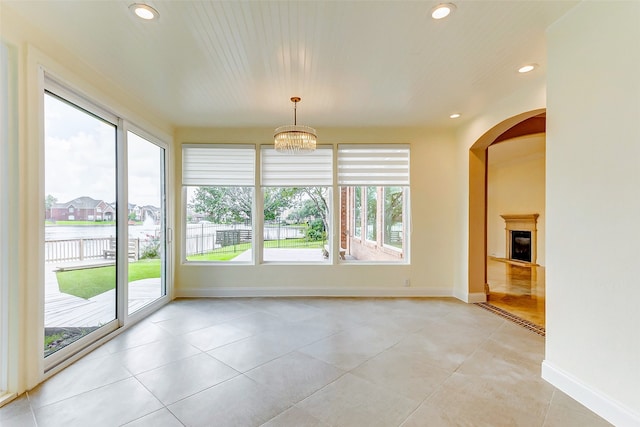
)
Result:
{"points": [[315, 231]]}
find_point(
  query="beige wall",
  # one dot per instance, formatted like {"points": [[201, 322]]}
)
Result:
{"points": [[515, 185], [432, 227], [593, 208]]}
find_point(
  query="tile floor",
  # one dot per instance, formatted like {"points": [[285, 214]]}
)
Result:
{"points": [[518, 289], [308, 362]]}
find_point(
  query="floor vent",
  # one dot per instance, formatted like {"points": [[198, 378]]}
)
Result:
{"points": [[515, 319]]}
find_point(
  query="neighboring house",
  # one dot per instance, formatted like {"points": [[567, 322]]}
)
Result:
{"points": [[141, 213], [82, 209], [149, 211], [134, 212]]}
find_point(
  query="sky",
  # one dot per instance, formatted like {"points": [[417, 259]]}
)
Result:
{"points": [[80, 158]]}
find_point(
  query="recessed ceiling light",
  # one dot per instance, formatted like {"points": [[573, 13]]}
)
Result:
{"points": [[144, 11], [442, 10], [527, 68], [454, 116]]}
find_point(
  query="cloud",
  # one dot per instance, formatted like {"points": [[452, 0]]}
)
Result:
{"points": [[80, 158]]}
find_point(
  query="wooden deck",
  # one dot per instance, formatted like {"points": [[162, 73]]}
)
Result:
{"points": [[64, 310]]}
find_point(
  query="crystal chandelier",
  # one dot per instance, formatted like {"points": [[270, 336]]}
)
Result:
{"points": [[295, 138]]}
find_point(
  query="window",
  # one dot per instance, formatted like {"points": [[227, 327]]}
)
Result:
{"points": [[374, 182], [295, 203], [392, 219], [296, 192], [219, 183], [357, 212], [371, 210]]}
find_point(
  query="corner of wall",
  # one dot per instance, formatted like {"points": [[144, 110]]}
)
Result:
{"points": [[607, 408]]}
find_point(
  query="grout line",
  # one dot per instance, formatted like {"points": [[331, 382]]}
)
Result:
{"points": [[513, 318]]}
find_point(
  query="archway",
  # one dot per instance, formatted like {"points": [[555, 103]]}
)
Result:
{"points": [[520, 124]]}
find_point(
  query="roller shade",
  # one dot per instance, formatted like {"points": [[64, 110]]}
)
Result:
{"points": [[218, 165], [298, 170], [373, 165]]}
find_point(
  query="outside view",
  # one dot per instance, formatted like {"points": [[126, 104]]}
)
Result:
{"points": [[80, 223], [220, 224]]}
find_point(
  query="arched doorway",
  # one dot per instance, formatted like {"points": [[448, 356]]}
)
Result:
{"points": [[522, 124]]}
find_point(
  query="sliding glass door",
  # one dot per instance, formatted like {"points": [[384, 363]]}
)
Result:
{"points": [[105, 220], [81, 236], [147, 222]]}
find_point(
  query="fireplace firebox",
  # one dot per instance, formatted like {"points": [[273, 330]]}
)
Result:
{"points": [[521, 245]]}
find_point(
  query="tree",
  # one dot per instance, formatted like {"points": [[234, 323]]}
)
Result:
{"points": [[234, 204], [316, 203], [223, 204], [277, 200], [49, 201]]}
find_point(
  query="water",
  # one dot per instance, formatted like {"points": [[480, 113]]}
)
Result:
{"points": [[69, 232]]}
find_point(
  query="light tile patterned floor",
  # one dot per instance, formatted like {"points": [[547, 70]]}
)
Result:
{"points": [[308, 362]]}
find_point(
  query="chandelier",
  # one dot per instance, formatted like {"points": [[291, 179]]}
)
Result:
{"points": [[295, 138]]}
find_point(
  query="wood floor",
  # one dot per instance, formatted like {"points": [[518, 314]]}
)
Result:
{"points": [[518, 289]]}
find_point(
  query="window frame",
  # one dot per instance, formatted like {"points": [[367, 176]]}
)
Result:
{"points": [[248, 180], [374, 168]]}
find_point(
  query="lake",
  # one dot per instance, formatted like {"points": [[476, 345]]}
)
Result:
{"points": [[70, 232]]}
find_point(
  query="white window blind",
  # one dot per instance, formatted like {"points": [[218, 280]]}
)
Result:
{"points": [[298, 170], [373, 165], [218, 165]]}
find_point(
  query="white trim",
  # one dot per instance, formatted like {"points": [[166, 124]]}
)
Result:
{"points": [[6, 398], [609, 409], [470, 298], [311, 292]]}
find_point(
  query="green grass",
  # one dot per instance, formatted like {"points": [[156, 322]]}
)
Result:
{"points": [[48, 339], [230, 252], [89, 282]]}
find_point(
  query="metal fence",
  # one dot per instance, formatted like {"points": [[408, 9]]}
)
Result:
{"points": [[206, 238]]}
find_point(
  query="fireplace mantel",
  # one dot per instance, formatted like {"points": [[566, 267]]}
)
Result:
{"points": [[522, 222]]}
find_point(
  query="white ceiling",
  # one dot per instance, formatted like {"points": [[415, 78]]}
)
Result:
{"points": [[356, 63]]}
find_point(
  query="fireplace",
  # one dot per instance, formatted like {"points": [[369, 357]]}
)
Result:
{"points": [[521, 234], [520, 245]]}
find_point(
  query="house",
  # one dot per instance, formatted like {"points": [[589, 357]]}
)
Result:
{"points": [[82, 209], [384, 75]]}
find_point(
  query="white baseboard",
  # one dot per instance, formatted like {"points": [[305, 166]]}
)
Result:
{"points": [[471, 298], [311, 292], [599, 403]]}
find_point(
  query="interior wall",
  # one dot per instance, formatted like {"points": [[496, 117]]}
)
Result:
{"points": [[593, 206], [515, 185], [431, 253]]}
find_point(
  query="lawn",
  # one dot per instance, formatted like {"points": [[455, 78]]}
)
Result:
{"points": [[89, 282], [230, 252]]}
